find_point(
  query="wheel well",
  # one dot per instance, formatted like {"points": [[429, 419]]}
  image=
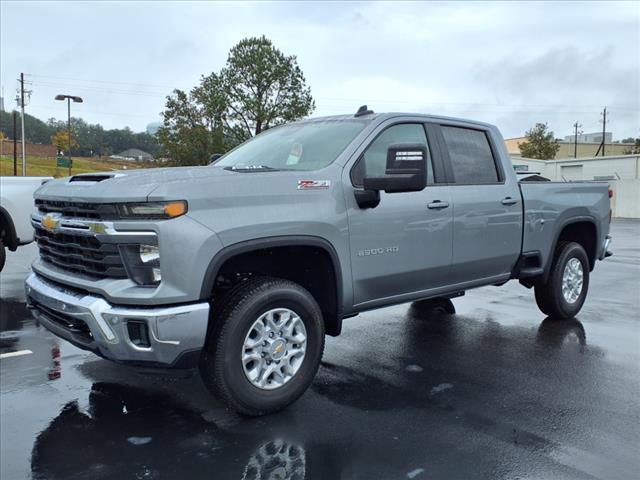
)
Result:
{"points": [[583, 233], [309, 266], [7, 230]]}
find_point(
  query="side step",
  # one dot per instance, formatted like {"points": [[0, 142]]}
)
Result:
{"points": [[528, 265], [531, 272]]}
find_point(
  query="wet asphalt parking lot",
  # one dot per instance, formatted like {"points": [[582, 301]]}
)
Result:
{"points": [[495, 391]]}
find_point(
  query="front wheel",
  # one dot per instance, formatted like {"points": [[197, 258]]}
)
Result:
{"points": [[565, 291], [3, 255], [265, 346]]}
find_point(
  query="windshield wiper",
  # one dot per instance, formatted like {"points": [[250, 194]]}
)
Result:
{"points": [[251, 168]]}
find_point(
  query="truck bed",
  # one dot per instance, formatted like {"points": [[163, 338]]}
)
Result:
{"points": [[549, 206]]}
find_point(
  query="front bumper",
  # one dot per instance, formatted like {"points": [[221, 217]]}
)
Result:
{"points": [[175, 333]]}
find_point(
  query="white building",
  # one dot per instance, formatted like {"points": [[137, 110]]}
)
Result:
{"points": [[595, 137]]}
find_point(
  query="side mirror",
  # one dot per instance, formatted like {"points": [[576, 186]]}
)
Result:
{"points": [[406, 170], [214, 157]]}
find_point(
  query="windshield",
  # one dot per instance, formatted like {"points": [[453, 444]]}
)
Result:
{"points": [[303, 146]]}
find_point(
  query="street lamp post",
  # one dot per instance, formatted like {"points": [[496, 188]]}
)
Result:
{"points": [[69, 99]]}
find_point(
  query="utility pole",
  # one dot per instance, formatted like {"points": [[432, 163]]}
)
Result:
{"points": [[15, 145], [575, 140], [24, 146], [604, 127]]}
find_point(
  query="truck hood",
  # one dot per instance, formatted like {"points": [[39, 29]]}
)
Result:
{"points": [[125, 186], [198, 185]]}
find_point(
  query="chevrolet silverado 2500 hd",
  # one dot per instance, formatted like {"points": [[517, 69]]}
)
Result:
{"points": [[241, 267]]}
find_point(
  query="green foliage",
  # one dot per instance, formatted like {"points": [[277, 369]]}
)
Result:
{"points": [[263, 87], [91, 139], [258, 88], [36, 131], [192, 128], [540, 143], [61, 140]]}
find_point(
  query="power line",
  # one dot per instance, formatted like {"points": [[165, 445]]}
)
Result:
{"points": [[102, 81], [97, 112], [342, 100], [100, 89]]}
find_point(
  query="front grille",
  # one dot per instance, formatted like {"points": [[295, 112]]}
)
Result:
{"points": [[73, 325], [99, 211], [78, 253]]}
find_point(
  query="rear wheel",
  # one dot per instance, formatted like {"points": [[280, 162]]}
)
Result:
{"points": [[265, 346], [565, 291]]}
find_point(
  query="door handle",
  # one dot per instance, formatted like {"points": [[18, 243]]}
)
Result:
{"points": [[437, 204], [509, 201]]}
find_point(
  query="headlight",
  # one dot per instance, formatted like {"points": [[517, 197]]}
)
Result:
{"points": [[142, 263], [152, 210]]}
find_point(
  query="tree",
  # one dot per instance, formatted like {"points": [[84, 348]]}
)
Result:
{"points": [[192, 129], [263, 87], [540, 143], [258, 88], [61, 141], [635, 148]]}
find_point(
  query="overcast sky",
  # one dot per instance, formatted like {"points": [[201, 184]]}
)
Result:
{"points": [[512, 64]]}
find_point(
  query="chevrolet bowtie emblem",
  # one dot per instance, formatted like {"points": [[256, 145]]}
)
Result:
{"points": [[50, 222]]}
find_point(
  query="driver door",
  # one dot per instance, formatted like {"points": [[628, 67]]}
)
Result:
{"points": [[403, 245]]}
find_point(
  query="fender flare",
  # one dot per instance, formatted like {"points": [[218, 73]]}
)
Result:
{"points": [[563, 225], [273, 242]]}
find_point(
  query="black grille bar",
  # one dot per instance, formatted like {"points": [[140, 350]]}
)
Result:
{"points": [[80, 253], [78, 210]]}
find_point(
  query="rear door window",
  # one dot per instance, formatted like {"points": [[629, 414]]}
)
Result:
{"points": [[470, 155]]}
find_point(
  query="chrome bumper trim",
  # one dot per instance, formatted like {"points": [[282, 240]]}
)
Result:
{"points": [[604, 252], [172, 330]]}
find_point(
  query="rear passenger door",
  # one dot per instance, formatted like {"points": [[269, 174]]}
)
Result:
{"points": [[487, 207]]}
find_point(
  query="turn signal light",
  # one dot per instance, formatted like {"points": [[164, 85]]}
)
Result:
{"points": [[175, 209]]}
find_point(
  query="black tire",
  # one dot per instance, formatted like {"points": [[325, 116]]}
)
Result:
{"points": [[221, 366], [549, 295], [3, 255]]}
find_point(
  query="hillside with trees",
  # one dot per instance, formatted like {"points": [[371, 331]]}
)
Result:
{"points": [[89, 139]]}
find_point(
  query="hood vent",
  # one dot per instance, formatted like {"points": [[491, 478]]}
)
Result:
{"points": [[90, 178]]}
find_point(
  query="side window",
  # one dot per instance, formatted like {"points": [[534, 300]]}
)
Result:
{"points": [[470, 154], [373, 161]]}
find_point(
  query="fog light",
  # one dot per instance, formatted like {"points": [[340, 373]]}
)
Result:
{"points": [[138, 333]]}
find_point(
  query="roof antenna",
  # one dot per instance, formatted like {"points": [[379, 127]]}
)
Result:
{"points": [[363, 110]]}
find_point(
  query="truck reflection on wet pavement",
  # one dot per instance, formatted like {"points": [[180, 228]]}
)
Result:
{"points": [[494, 391]]}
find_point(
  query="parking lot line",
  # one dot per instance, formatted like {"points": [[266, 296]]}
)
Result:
{"points": [[19, 353]]}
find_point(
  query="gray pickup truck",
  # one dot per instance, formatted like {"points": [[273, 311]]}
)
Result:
{"points": [[241, 267]]}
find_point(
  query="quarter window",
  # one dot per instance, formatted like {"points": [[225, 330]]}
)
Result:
{"points": [[373, 161], [470, 155]]}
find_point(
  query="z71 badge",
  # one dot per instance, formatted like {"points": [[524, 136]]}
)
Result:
{"points": [[313, 184]]}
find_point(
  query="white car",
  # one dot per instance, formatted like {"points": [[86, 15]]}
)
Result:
{"points": [[16, 205]]}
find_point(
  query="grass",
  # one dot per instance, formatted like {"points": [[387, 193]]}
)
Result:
{"points": [[46, 167]]}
